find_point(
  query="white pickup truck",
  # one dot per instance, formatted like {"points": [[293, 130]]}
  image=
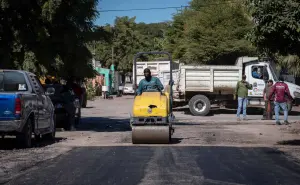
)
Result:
{"points": [[201, 86]]}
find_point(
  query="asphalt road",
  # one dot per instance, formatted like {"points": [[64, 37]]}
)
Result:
{"points": [[165, 165]]}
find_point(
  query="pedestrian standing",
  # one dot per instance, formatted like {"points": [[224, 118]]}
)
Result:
{"points": [[268, 114], [241, 92], [281, 90]]}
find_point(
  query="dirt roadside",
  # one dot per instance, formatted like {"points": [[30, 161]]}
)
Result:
{"points": [[113, 129]]}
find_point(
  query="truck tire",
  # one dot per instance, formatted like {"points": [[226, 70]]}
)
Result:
{"points": [[199, 105], [78, 117], [25, 138]]}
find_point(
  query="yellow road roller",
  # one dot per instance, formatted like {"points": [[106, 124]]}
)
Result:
{"points": [[152, 115]]}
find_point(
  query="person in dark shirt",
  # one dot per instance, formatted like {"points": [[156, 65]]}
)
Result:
{"points": [[280, 90], [149, 82], [266, 98]]}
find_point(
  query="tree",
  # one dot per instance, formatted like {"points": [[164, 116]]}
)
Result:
{"points": [[277, 26], [47, 34], [277, 31], [210, 33], [125, 38]]}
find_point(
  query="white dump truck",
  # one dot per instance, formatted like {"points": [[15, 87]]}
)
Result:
{"points": [[200, 86]]}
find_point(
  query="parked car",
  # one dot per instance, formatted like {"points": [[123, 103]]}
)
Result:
{"points": [[128, 89], [61, 110], [25, 109]]}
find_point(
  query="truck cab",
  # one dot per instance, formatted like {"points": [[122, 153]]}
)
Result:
{"points": [[258, 71]]}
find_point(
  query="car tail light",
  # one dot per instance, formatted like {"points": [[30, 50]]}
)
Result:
{"points": [[18, 106]]}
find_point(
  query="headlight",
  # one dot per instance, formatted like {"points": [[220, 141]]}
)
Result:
{"points": [[296, 94]]}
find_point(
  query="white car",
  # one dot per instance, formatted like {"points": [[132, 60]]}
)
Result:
{"points": [[128, 89]]}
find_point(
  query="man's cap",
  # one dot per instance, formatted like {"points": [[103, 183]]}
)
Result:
{"points": [[147, 70]]}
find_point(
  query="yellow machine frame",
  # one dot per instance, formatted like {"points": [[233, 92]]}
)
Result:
{"points": [[152, 111]]}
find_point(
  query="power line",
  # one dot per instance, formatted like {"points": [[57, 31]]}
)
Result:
{"points": [[143, 9], [164, 8]]}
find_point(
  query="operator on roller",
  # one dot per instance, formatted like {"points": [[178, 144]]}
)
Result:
{"points": [[149, 83]]}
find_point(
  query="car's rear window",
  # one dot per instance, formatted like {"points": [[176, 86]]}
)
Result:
{"points": [[11, 81]]}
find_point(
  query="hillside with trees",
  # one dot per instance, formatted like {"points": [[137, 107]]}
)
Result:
{"points": [[60, 37]]}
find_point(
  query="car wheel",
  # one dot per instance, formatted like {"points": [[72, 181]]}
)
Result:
{"points": [[25, 138]]}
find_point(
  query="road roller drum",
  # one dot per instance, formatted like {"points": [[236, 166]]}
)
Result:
{"points": [[151, 134]]}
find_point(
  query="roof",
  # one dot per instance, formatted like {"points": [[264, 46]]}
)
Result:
{"points": [[15, 70]]}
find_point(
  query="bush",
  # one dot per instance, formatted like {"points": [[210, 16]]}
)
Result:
{"points": [[91, 91]]}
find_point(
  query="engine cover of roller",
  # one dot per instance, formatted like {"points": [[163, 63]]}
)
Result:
{"points": [[151, 104]]}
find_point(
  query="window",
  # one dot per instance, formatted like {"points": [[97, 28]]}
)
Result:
{"points": [[11, 81], [257, 72], [260, 72], [37, 84]]}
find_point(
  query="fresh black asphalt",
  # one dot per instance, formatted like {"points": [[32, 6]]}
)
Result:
{"points": [[163, 165]]}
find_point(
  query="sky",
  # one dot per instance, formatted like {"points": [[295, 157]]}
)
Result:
{"points": [[149, 16]]}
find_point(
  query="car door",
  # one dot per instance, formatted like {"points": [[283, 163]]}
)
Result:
{"points": [[44, 109]]}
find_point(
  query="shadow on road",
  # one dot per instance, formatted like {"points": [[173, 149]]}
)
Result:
{"points": [[88, 107], [176, 140], [103, 124], [289, 142], [11, 143]]}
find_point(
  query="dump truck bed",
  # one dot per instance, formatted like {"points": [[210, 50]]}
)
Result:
{"points": [[208, 78]]}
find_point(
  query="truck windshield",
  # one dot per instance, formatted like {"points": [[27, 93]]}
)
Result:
{"points": [[12, 81]]}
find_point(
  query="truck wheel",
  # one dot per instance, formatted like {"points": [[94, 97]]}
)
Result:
{"points": [[199, 105], [78, 117], [25, 138]]}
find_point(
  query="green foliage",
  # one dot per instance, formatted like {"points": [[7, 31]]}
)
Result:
{"points": [[277, 31], [125, 39], [277, 28], [213, 34], [35, 35], [91, 91]]}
